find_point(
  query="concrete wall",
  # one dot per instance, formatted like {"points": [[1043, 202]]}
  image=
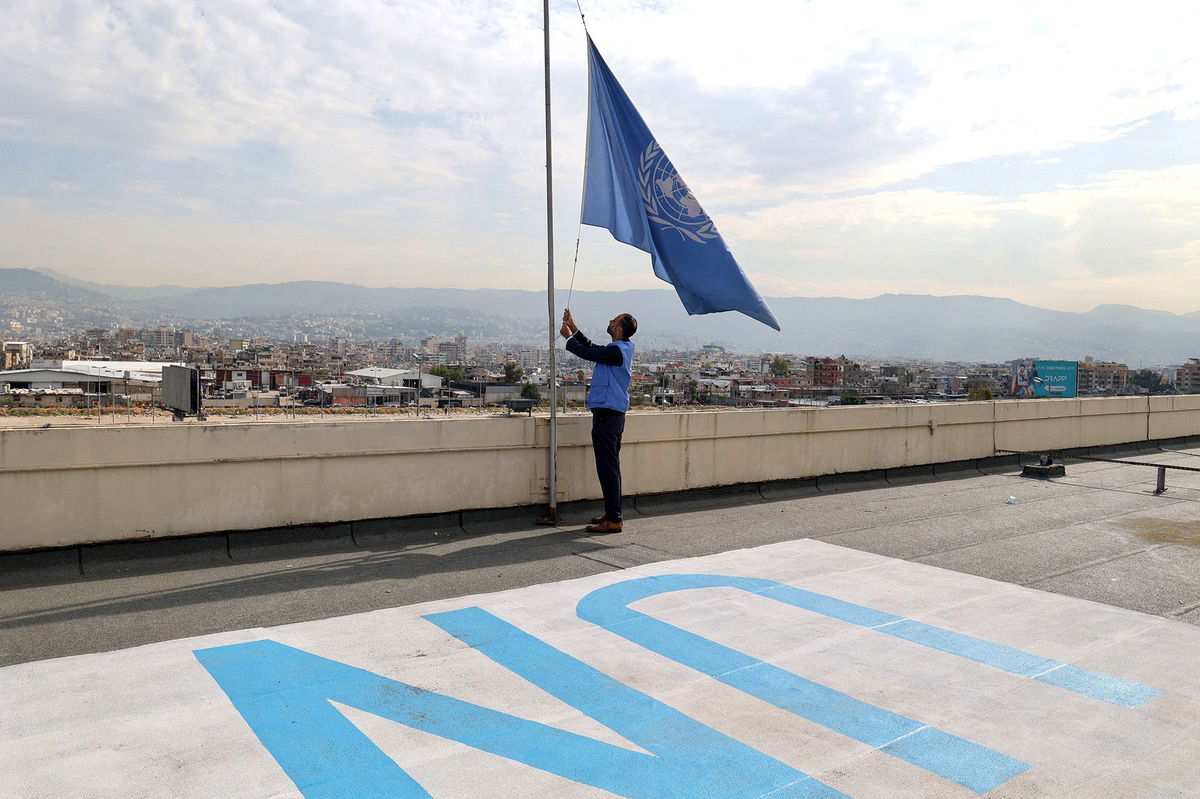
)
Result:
{"points": [[65, 486]]}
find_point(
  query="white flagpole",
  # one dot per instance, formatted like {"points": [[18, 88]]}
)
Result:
{"points": [[552, 511]]}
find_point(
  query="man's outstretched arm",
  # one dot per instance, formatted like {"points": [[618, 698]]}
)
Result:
{"points": [[610, 355]]}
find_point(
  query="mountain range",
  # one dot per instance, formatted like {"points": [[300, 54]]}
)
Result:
{"points": [[959, 328]]}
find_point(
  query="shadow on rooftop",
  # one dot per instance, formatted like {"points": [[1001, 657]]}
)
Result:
{"points": [[291, 575]]}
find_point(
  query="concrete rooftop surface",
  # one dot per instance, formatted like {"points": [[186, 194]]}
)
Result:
{"points": [[919, 636]]}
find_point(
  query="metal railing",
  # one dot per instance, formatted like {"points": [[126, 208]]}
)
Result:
{"points": [[1047, 458]]}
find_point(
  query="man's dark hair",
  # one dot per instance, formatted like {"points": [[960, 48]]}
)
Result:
{"points": [[628, 325]]}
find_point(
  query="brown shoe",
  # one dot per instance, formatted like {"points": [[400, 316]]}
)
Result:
{"points": [[598, 519], [604, 526]]}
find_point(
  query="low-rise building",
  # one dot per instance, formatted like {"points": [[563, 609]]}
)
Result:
{"points": [[375, 375], [17, 354], [1187, 377], [1101, 377], [825, 371]]}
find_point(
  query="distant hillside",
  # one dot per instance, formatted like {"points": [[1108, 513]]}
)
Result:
{"points": [[937, 328], [27, 283], [24, 289], [120, 292], [965, 328]]}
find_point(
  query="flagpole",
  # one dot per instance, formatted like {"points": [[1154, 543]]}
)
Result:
{"points": [[551, 516]]}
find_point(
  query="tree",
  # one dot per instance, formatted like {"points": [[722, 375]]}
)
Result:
{"points": [[513, 373], [530, 391], [850, 398], [1151, 381], [980, 394], [448, 372], [780, 366]]}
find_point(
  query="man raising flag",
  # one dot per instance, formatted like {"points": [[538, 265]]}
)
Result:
{"points": [[608, 400]]}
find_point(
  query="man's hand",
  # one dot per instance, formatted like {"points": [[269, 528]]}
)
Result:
{"points": [[568, 326]]}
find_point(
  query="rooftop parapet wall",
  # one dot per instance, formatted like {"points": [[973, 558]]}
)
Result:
{"points": [[67, 486]]}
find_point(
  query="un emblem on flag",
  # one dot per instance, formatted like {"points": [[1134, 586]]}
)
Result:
{"points": [[669, 202]]}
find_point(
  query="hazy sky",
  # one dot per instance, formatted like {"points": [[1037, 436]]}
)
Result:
{"points": [[1043, 151]]}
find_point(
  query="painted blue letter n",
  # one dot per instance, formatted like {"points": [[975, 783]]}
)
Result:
{"points": [[285, 695]]}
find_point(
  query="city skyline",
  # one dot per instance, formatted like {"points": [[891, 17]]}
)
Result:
{"points": [[1044, 153], [37, 307]]}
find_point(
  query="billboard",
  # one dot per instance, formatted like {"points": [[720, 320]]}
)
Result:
{"points": [[181, 389], [1044, 379]]}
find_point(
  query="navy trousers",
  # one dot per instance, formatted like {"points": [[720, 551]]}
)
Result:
{"points": [[607, 428]]}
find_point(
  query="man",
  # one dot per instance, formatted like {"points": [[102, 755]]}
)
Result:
{"points": [[1020, 379], [609, 400]]}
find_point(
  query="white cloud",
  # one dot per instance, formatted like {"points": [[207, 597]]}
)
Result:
{"points": [[1132, 234], [988, 79], [338, 138]]}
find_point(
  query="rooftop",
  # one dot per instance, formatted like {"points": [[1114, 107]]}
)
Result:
{"points": [[1092, 578]]}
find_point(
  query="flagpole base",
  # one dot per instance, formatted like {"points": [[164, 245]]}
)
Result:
{"points": [[550, 519]]}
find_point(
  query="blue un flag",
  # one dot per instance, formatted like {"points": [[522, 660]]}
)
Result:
{"points": [[633, 189]]}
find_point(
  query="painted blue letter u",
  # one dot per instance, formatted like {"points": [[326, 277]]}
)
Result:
{"points": [[966, 763]]}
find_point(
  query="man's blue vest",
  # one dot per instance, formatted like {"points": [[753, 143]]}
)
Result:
{"points": [[610, 384]]}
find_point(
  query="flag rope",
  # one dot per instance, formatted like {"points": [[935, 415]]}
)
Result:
{"points": [[579, 231], [571, 285]]}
